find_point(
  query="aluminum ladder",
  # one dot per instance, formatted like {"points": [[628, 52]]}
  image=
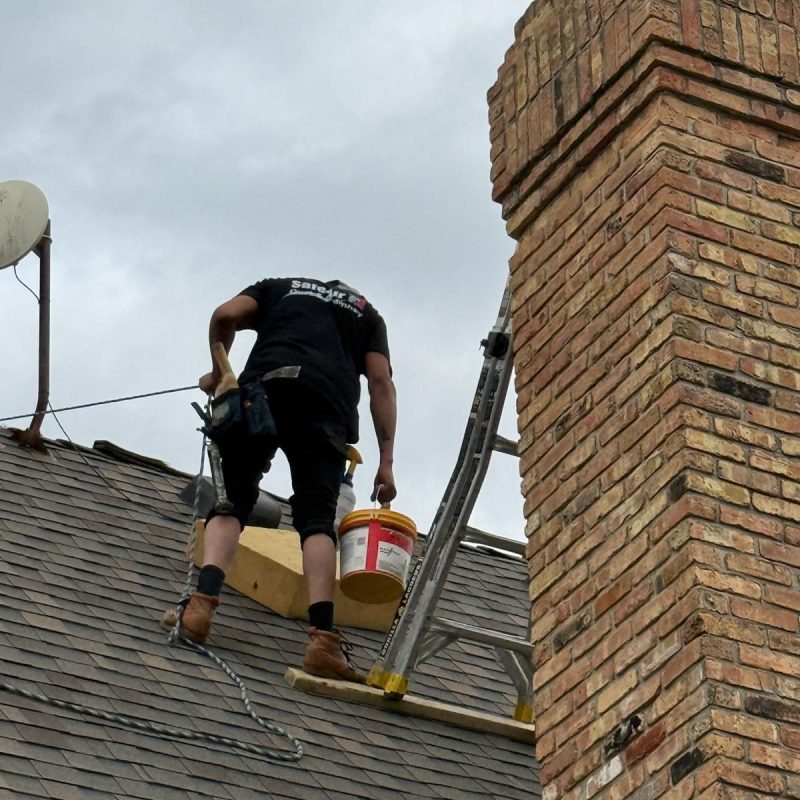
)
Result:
{"points": [[417, 633]]}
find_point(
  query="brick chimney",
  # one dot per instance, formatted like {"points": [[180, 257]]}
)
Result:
{"points": [[646, 154]]}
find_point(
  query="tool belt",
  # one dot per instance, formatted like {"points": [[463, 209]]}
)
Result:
{"points": [[237, 415]]}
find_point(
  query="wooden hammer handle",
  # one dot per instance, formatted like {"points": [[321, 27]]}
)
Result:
{"points": [[228, 380]]}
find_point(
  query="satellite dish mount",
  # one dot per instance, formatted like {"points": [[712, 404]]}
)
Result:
{"points": [[25, 228]]}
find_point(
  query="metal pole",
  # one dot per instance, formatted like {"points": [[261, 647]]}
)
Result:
{"points": [[32, 436]]}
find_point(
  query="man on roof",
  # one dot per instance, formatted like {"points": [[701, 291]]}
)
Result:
{"points": [[299, 392]]}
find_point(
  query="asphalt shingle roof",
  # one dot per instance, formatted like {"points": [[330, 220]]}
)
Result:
{"points": [[87, 566]]}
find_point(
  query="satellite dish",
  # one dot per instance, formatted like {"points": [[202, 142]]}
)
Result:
{"points": [[23, 219]]}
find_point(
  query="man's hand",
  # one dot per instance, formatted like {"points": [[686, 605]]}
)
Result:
{"points": [[384, 489], [208, 382]]}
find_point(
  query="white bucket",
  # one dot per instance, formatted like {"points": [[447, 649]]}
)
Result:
{"points": [[376, 546]]}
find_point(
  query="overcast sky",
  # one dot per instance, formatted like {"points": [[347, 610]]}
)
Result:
{"points": [[188, 149]]}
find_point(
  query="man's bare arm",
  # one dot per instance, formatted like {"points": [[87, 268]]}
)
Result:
{"points": [[237, 314], [383, 407]]}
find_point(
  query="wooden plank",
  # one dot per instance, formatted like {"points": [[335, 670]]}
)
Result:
{"points": [[268, 568], [412, 706]]}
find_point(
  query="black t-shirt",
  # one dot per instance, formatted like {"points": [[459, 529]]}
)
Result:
{"points": [[326, 329]]}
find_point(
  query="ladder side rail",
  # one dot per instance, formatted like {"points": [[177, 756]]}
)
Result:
{"points": [[515, 667], [488, 420], [461, 476], [521, 671], [426, 583], [402, 651], [461, 461], [460, 482], [502, 326], [442, 528]]}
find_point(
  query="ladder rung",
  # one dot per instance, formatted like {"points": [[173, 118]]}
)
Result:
{"points": [[477, 536], [507, 446], [473, 634]]}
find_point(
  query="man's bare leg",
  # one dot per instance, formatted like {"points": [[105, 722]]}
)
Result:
{"points": [[325, 655], [319, 567], [221, 537]]}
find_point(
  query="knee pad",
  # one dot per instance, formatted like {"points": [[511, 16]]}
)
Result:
{"points": [[227, 510]]}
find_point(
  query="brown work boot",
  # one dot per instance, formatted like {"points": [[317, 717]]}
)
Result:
{"points": [[197, 616], [328, 656]]}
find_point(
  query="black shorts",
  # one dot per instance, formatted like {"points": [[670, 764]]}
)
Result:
{"points": [[314, 446]]}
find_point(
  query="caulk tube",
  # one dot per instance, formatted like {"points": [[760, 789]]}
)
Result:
{"points": [[347, 496]]}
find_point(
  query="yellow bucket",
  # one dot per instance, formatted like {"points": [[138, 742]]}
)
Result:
{"points": [[376, 546]]}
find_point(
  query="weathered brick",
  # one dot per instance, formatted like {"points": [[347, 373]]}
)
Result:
{"points": [[733, 429], [616, 690], [729, 583], [725, 537], [751, 777], [788, 598], [682, 766], [725, 627], [772, 708], [772, 756], [714, 444], [775, 507], [744, 726], [757, 523], [655, 190], [719, 744], [739, 388], [755, 166], [758, 481], [769, 660], [757, 567], [739, 676], [786, 554], [759, 612], [760, 246], [722, 490], [643, 745]]}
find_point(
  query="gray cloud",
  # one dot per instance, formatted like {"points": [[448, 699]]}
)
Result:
{"points": [[188, 149]]}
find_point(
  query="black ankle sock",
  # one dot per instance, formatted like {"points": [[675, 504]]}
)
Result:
{"points": [[210, 580], [320, 615]]}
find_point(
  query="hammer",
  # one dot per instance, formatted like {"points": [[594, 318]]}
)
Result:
{"points": [[228, 380]]}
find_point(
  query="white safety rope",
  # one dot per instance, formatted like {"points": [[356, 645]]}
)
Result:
{"points": [[175, 637]]}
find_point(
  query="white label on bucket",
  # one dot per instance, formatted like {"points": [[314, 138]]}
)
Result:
{"points": [[352, 554], [393, 559]]}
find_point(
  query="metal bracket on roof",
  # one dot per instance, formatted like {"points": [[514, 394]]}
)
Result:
{"points": [[33, 210]]}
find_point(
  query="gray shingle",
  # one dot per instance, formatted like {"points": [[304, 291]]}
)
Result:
{"points": [[89, 572]]}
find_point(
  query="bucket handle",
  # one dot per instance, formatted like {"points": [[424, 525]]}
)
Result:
{"points": [[374, 496]]}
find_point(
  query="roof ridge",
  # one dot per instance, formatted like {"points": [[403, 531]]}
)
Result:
{"points": [[115, 452], [118, 453]]}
